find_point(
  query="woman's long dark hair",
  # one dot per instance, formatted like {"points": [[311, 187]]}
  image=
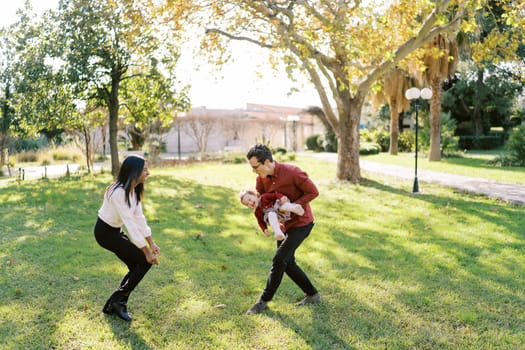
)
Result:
{"points": [[131, 169]]}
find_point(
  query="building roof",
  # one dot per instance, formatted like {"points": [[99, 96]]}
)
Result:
{"points": [[252, 111]]}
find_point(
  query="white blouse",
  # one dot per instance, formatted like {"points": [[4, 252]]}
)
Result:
{"points": [[115, 212]]}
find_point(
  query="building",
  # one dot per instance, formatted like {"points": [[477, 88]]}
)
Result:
{"points": [[211, 130]]}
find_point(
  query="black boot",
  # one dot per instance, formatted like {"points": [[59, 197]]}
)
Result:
{"points": [[119, 308], [107, 309]]}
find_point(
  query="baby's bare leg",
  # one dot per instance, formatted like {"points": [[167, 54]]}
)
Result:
{"points": [[292, 207], [276, 227]]}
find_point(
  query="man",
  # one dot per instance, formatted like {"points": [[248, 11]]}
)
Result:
{"points": [[297, 186]]}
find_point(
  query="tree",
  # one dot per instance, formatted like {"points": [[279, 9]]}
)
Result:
{"points": [[199, 128], [498, 38], [440, 59], [497, 94], [395, 83], [149, 102], [36, 98], [343, 47], [6, 85], [100, 41]]}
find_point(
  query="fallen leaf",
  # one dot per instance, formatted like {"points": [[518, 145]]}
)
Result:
{"points": [[220, 306]]}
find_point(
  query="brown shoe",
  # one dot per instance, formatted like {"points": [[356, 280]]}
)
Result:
{"points": [[310, 299], [257, 308]]}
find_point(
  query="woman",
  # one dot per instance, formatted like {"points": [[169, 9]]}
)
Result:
{"points": [[122, 206]]}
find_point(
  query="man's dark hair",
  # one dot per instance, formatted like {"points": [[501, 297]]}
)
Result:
{"points": [[261, 152]]}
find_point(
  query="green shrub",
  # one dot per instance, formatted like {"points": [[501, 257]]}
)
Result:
{"points": [[365, 135], [516, 145], [281, 150], [330, 142], [287, 157], [449, 142], [102, 157], [312, 143], [67, 153], [27, 157], [382, 138], [366, 148], [502, 161], [483, 142], [406, 141]]}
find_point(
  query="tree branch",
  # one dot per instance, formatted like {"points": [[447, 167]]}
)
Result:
{"points": [[240, 38]]}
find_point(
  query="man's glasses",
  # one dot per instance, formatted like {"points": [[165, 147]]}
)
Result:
{"points": [[254, 167]]}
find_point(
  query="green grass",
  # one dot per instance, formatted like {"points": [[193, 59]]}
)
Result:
{"points": [[470, 164], [439, 270]]}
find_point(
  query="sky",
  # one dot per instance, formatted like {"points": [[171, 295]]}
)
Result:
{"points": [[233, 86]]}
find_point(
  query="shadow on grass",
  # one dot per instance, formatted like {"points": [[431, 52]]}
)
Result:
{"points": [[437, 270], [381, 289]]}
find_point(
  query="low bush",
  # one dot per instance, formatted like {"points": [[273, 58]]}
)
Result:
{"points": [[27, 157], [516, 144], [312, 143], [366, 148], [67, 153], [483, 142]]}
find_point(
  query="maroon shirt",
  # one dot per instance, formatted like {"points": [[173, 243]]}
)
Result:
{"points": [[295, 184]]}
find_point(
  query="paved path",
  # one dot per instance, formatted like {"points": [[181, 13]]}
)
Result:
{"points": [[49, 171], [510, 193]]}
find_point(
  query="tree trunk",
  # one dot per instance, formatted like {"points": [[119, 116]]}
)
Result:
{"points": [[104, 140], [477, 117], [3, 150], [87, 140], [348, 146], [113, 105], [4, 129], [394, 127], [435, 121]]}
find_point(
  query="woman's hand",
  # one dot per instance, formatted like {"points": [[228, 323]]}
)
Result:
{"points": [[155, 249], [150, 257]]}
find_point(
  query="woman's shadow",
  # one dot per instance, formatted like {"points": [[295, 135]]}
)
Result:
{"points": [[125, 334]]}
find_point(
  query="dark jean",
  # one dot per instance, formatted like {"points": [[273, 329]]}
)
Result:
{"points": [[284, 262], [114, 240]]}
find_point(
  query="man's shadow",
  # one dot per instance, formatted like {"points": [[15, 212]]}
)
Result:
{"points": [[323, 337]]}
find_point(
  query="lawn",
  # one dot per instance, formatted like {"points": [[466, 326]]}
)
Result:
{"points": [[439, 270], [468, 164]]}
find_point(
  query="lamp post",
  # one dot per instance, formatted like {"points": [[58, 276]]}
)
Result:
{"points": [[416, 94], [179, 116], [294, 119]]}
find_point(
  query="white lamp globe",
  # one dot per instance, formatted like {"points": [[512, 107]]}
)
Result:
{"points": [[426, 94], [412, 93]]}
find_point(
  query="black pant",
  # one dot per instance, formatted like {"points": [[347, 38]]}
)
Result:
{"points": [[113, 239], [284, 262]]}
